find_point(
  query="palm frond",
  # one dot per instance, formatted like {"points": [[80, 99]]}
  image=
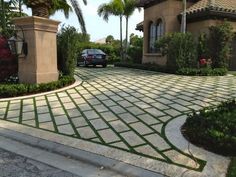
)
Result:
{"points": [[61, 5], [129, 7], [79, 14], [105, 10]]}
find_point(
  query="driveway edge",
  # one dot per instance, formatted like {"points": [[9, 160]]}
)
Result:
{"points": [[77, 154], [216, 165]]}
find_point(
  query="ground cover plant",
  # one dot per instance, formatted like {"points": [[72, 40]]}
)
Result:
{"points": [[15, 89], [232, 168], [213, 128]]}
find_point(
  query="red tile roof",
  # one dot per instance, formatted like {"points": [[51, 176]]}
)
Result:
{"points": [[217, 5]]}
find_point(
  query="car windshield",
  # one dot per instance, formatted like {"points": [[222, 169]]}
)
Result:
{"points": [[95, 51]]}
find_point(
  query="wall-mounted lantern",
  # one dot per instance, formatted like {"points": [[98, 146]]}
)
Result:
{"points": [[17, 45]]}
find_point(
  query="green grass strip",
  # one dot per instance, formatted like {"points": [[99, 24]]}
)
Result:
{"points": [[7, 109], [21, 111], [67, 115], [51, 114]]}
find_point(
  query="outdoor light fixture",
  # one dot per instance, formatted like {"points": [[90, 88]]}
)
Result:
{"points": [[17, 44]]}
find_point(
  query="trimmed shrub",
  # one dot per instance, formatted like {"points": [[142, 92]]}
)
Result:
{"points": [[183, 71], [12, 90], [147, 66], [203, 49], [213, 128], [8, 62], [180, 49], [220, 42], [66, 50], [135, 50], [202, 71]]}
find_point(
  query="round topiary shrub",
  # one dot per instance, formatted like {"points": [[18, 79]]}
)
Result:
{"points": [[213, 128]]}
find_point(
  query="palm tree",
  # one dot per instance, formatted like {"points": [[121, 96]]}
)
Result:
{"points": [[7, 12], [183, 23], [45, 8], [17, 4], [114, 7], [129, 8]]}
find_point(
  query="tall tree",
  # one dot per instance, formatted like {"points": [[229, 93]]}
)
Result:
{"points": [[109, 39], [183, 22], [45, 8], [129, 8], [7, 12], [114, 7], [17, 4], [3, 16]]}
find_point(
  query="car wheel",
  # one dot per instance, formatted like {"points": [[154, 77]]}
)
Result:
{"points": [[104, 65], [85, 64], [94, 66]]}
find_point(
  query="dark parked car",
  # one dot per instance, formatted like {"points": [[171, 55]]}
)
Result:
{"points": [[92, 57]]}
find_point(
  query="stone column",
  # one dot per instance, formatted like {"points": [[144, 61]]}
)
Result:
{"points": [[40, 65]]}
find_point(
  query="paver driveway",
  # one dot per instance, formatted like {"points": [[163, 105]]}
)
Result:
{"points": [[122, 108]]}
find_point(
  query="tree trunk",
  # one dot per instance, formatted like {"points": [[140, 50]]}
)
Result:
{"points": [[121, 39], [20, 7], [183, 24], [40, 11], [40, 8], [3, 16], [126, 40]]}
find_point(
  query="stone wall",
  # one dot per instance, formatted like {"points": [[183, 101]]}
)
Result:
{"points": [[8, 63]]}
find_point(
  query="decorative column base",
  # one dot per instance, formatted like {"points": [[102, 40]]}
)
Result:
{"points": [[40, 65]]}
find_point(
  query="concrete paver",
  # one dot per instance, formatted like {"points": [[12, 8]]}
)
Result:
{"points": [[122, 108]]}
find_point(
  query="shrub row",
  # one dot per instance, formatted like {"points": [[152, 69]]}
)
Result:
{"points": [[184, 71], [12, 90], [202, 71], [147, 66], [214, 128]]}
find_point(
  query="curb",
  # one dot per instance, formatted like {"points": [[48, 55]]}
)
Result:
{"points": [[77, 154], [216, 165]]}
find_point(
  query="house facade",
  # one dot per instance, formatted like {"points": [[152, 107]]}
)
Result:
{"points": [[164, 16]]}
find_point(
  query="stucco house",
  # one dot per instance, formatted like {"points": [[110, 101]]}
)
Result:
{"points": [[164, 16]]}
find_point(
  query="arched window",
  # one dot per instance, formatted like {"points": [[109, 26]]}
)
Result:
{"points": [[160, 29], [156, 31], [152, 37]]}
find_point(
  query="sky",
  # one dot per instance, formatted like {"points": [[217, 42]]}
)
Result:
{"points": [[96, 26]]}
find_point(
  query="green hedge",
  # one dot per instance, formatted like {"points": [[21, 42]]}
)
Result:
{"points": [[180, 49], [202, 72], [12, 90], [214, 128], [184, 71], [149, 67]]}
